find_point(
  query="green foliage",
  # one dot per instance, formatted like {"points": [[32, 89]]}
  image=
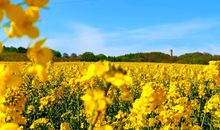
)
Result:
{"points": [[13, 57], [101, 57], [195, 58], [147, 57], [87, 56], [11, 50], [19, 54], [21, 50], [56, 53]]}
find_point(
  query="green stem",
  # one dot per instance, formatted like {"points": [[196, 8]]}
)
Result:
{"points": [[78, 106], [203, 119]]}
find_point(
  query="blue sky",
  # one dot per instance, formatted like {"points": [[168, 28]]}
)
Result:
{"points": [[116, 27]]}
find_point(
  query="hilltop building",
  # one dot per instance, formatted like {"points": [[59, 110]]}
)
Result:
{"points": [[171, 52]]}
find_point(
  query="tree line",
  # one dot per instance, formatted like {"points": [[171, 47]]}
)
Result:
{"points": [[19, 54]]}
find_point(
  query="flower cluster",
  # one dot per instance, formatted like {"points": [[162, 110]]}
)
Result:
{"points": [[40, 56], [12, 99], [107, 96], [95, 102], [22, 21]]}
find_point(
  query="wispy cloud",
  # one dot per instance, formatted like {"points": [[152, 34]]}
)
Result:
{"points": [[166, 31], [86, 38], [83, 37]]}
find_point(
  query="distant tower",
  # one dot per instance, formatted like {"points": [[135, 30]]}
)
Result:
{"points": [[171, 52]]}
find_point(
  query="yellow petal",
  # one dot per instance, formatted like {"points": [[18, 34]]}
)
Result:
{"points": [[4, 2], [46, 55], [32, 32], [15, 30], [32, 14], [15, 13], [39, 71], [38, 3], [86, 98], [9, 126], [38, 54], [39, 43], [1, 15]]}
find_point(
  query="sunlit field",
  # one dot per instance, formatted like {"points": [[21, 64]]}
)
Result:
{"points": [[103, 95], [42, 94]]}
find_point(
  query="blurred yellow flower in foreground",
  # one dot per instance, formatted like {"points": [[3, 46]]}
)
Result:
{"points": [[8, 78], [95, 100], [13, 11], [38, 70], [38, 3], [25, 24], [10, 126], [38, 54], [95, 103]]}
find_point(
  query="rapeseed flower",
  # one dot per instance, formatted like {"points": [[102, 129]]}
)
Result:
{"points": [[38, 54], [39, 122], [10, 126], [37, 3], [65, 126], [25, 24], [95, 103], [13, 12]]}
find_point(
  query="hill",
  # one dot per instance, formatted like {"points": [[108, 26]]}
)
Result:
{"points": [[19, 54]]}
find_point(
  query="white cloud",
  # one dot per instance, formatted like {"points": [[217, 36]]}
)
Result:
{"points": [[165, 31], [85, 38], [82, 37], [88, 38]]}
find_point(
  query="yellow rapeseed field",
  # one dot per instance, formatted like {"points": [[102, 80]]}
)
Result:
{"points": [[43, 95], [104, 95]]}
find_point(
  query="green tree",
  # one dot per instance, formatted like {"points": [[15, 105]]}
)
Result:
{"points": [[87, 56], [101, 57]]}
